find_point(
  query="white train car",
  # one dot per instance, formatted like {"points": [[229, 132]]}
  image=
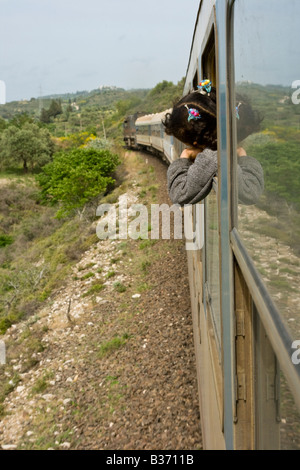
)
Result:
{"points": [[150, 135]]}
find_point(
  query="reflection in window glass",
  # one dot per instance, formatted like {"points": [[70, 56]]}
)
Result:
{"points": [[212, 259], [290, 419], [267, 67], [267, 81]]}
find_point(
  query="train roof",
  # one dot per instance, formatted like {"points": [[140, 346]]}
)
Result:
{"points": [[152, 118]]}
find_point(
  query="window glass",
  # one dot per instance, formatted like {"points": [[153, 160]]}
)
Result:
{"points": [[267, 118], [212, 260]]}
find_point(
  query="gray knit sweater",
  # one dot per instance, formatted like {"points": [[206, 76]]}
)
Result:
{"points": [[190, 182]]}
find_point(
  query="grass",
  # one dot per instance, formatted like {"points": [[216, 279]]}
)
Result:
{"points": [[94, 290], [110, 274], [145, 265], [87, 276], [115, 392], [40, 385], [119, 287], [142, 287], [36, 259], [112, 345], [147, 244], [87, 266]]}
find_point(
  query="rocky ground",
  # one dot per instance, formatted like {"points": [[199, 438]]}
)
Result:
{"points": [[115, 366]]}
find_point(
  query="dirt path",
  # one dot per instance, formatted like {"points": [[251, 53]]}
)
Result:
{"points": [[116, 367]]}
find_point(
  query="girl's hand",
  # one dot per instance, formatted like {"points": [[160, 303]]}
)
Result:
{"points": [[241, 152], [190, 153]]}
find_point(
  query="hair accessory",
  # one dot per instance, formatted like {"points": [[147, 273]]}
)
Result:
{"points": [[237, 110], [193, 113], [205, 86]]}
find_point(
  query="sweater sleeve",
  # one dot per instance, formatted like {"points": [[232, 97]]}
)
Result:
{"points": [[250, 178], [190, 182]]}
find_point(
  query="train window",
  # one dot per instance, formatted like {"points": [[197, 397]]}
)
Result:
{"points": [[267, 121], [208, 59], [195, 81]]}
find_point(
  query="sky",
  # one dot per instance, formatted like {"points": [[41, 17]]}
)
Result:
{"points": [[266, 41], [61, 46]]}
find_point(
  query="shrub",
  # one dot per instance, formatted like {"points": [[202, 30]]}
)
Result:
{"points": [[5, 240], [30, 145], [119, 287], [74, 178]]}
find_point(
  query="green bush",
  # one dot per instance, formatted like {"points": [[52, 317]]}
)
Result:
{"points": [[119, 287], [280, 161], [5, 240], [74, 178], [28, 145]]}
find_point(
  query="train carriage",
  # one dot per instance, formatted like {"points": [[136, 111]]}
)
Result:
{"points": [[244, 275], [129, 129]]}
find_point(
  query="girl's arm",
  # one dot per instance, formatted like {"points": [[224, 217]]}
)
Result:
{"points": [[250, 178], [190, 182]]}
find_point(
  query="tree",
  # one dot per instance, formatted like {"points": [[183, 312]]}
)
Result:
{"points": [[20, 119], [3, 124], [161, 87], [45, 116], [54, 110], [76, 177], [124, 105], [29, 145]]}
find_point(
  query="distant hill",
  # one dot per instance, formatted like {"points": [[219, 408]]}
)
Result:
{"points": [[100, 111], [105, 96]]}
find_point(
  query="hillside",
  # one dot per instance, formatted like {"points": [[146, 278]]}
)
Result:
{"points": [[81, 318], [100, 111], [107, 362]]}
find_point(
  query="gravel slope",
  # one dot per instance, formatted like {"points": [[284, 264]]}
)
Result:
{"points": [[117, 369]]}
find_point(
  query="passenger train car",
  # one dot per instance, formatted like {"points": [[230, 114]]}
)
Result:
{"points": [[147, 132], [244, 276]]}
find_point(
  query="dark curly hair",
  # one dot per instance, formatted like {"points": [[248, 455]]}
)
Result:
{"points": [[249, 119], [196, 133], [203, 132]]}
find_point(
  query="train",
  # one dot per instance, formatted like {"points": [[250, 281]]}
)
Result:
{"points": [[243, 277], [147, 132]]}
